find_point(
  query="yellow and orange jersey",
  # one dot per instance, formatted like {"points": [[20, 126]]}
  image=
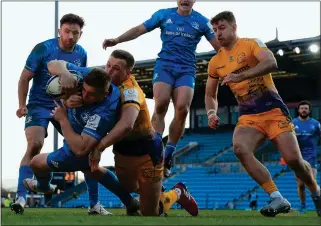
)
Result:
{"points": [[254, 95], [133, 95]]}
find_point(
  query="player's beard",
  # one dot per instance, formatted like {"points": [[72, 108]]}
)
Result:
{"points": [[68, 44], [304, 115]]}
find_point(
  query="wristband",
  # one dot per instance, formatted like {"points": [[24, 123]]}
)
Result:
{"points": [[211, 112]]}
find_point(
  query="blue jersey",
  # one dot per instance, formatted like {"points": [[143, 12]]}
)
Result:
{"points": [[95, 120], [180, 35], [308, 133], [37, 61]]}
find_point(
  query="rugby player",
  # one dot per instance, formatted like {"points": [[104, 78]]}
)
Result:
{"points": [[245, 65], [138, 149], [175, 70], [82, 128], [40, 104], [308, 132]]}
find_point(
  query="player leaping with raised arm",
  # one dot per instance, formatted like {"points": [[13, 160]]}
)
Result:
{"points": [[245, 65], [175, 70]]}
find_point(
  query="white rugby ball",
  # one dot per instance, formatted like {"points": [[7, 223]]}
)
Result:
{"points": [[53, 87]]}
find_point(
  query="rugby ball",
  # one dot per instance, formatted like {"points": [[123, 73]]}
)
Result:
{"points": [[53, 87]]}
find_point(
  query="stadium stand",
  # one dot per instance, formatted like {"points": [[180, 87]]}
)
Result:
{"points": [[209, 145]]}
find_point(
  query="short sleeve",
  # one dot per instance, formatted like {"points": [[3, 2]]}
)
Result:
{"points": [[36, 57], [132, 97], [154, 21], [212, 72], [208, 31], [257, 46]]}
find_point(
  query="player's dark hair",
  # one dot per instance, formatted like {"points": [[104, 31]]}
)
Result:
{"points": [[305, 102], [71, 18], [126, 56], [98, 78], [225, 15]]}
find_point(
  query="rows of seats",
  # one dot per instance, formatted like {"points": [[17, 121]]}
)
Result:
{"points": [[214, 190], [209, 145], [227, 156], [211, 189]]}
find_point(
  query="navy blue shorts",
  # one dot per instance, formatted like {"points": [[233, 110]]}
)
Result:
{"points": [[66, 161], [174, 77], [40, 116]]}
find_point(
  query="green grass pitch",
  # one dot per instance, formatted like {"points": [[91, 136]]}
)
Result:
{"points": [[70, 216]]}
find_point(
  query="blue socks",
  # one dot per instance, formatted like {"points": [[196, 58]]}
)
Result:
{"points": [[92, 187], [110, 181], [24, 172], [169, 150]]}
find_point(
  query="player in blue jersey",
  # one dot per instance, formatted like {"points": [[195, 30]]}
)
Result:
{"points": [[40, 104], [174, 74], [82, 127], [308, 133]]}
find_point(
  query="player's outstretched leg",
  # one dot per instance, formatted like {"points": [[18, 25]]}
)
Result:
{"points": [[246, 140], [289, 148]]}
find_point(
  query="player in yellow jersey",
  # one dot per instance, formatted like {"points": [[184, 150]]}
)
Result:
{"points": [[138, 149], [245, 65]]}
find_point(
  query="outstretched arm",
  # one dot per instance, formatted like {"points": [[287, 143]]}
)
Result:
{"points": [[131, 34], [137, 31]]}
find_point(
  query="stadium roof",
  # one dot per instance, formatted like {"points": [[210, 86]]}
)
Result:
{"points": [[294, 57]]}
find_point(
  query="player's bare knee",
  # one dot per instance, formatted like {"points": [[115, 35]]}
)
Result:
{"points": [[34, 147], [35, 163], [181, 111], [240, 150], [161, 107]]}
